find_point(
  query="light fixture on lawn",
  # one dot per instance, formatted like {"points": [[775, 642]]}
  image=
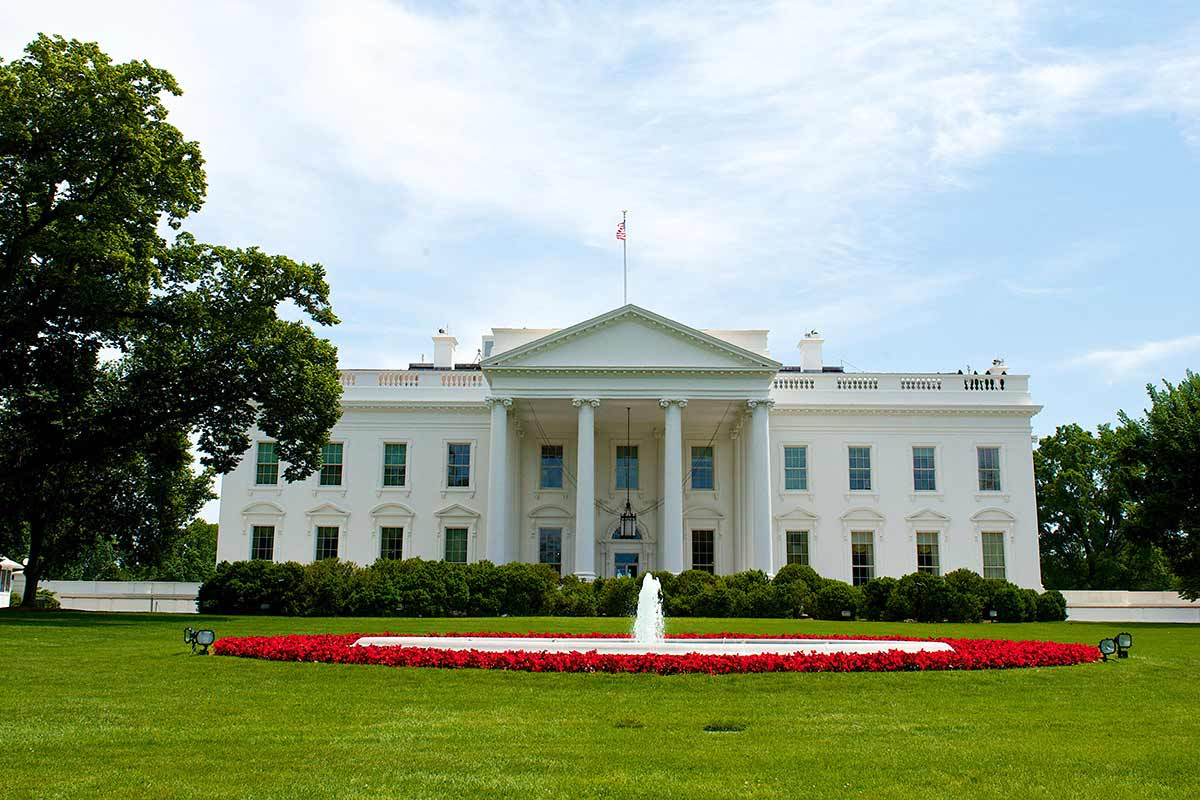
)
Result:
{"points": [[628, 529], [1107, 648], [203, 638], [1124, 642]]}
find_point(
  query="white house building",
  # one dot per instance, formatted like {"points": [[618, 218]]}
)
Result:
{"points": [[730, 461]]}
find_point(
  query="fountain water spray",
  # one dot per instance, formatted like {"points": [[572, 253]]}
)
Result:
{"points": [[649, 626]]}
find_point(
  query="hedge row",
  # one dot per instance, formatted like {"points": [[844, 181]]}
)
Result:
{"points": [[418, 588]]}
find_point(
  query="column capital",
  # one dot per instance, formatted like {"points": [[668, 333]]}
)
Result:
{"points": [[667, 401], [504, 401], [591, 401], [753, 404]]}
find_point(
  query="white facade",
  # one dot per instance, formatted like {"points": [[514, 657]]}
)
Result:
{"points": [[686, 390]]}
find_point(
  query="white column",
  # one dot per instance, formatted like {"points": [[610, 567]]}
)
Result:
{"points": [[498, 499], [760, 466], [739, 557], [673, 489], [585, 490]]}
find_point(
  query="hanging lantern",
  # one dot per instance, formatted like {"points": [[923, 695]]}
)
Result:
{"points": [[628, 529]]}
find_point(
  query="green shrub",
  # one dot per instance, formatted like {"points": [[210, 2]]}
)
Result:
{"points": [[1051, 606], [46, 599], [1029, 605], [254, 587], [877, 593], [572, 598], [794, 599], [527, 588], [687, 589], [801, 573], [486, 589], [616, 597], [835, 597], [713, 600], [922, 596], [1007, 602], [328, 587]]}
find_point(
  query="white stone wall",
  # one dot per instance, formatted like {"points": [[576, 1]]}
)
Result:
{"points": [[892, 509]]}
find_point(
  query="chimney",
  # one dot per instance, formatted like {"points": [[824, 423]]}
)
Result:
{"points": [[810, 352], [443, 350]]}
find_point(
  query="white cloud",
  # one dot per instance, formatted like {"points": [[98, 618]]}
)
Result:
{"points": [[1120, 363]]}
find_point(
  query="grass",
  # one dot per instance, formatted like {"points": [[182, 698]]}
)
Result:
{"points": [[112, 705]]}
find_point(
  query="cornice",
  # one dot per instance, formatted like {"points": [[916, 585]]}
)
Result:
{"points": [[640, 370]]}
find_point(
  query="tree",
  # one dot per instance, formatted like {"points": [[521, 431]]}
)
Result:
{"points": [[115, 343], [1087, 516], [1166, 444]]}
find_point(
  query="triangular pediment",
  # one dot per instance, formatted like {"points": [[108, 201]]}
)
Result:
{"points": [[630, 338], [928, 515]]}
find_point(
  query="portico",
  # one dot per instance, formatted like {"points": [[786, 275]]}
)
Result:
{"points": [[687, 393]]}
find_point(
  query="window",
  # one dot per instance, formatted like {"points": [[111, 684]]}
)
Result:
{"points": [[702, 468], [552, 466], [862, 556], [627, 466], [796, 547], [391, 543], [395, 464], [327, 542], [928, 558], [267, 473], [331, 464], [702, 551], [993, 555], [456, 545], [924, 471], [458, 464], [262, 543], [860, 469], [550, 547], [989, 469], [795, 469]]}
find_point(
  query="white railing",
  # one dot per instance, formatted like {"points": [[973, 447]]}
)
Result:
{"points": [[412, 379], [857, 383], [794, 382], [921, 384]]}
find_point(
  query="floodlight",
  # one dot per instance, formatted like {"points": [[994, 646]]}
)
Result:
{"points": [[992, 613], [1107, 648], [204, 638], [1124, 642], [189, 635], [846, 613]]}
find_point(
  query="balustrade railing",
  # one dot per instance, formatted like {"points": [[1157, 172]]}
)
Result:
{"points": [[412, 379]]}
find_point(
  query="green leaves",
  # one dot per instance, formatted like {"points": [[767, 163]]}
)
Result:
{"points": [[116, 345]]}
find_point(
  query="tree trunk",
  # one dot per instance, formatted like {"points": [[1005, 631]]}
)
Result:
{"points": [[33, 566]]}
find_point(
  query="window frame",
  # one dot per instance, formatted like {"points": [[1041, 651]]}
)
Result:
{"points": [[937, 551], [254, 528], [383, 529], [466, 543], [873, 487], [541, 531], [1001, 536], [473, 456], [711, 535], [337, 541], [787, 546], [381, 484], [1000, 469], [783, 468], [936, 468], [616, 451], [854, 578], [259, 464], [562, 469], [341, 466], [691, 470]]}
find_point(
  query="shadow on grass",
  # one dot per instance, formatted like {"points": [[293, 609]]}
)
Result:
{"points": [[92, 619]]}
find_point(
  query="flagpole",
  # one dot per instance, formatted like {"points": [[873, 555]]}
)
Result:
{"points": [[625, 257]]}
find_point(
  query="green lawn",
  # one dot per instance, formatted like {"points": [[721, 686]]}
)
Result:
{"points": [[112, 705]]}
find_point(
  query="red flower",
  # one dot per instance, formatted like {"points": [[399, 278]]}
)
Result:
{"points": [[967, 654]]}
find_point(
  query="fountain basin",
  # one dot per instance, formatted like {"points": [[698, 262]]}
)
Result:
{"points": [[679, 647]]}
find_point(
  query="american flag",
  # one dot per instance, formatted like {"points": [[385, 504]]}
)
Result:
{"points": [[621, 230]]}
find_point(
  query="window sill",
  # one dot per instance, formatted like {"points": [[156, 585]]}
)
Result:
{"points": [[803, 494], [265, 489], [403, 491], [339, 491], [861, 494], [926, 496], [468, 491], [982, 496]]}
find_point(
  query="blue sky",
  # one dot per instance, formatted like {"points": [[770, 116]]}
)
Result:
{"points": [[930, 185]]}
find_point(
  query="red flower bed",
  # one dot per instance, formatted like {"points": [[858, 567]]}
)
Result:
{"points": [[968, 654]]}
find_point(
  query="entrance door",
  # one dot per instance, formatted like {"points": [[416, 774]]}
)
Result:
{"points": [[625, 565]]}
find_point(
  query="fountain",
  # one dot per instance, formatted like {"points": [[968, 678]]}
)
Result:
{"points": [[649, 627], [649, 637]]}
